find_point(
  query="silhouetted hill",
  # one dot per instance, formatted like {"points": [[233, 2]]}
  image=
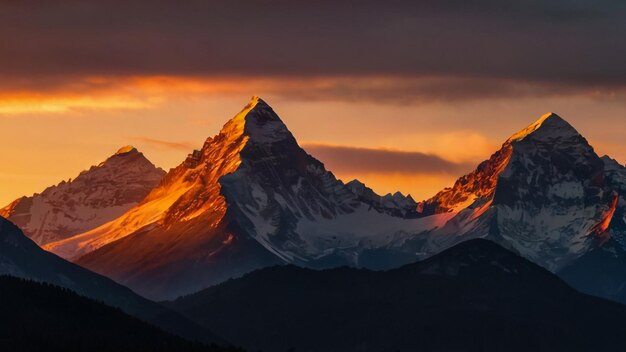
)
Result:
{"points": [[42, 317], [21, 257], [475, 296]]}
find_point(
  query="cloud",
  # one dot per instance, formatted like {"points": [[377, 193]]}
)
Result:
{"points": [[346, 159], [562, 45], [187, 146], [53, 104], [147, 92]]}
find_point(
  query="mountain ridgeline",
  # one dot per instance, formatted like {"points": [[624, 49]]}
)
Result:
{"points": [[42, 317], [21, 257], [252, 198], [94, 197], [476, 296], [271, 251]]}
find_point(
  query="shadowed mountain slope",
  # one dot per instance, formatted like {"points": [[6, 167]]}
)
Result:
{"points": [[42, 317], [475, 296]]}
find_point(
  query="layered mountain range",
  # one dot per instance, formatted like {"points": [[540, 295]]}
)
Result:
{"points": [[94, 197], [43, 317], [548, 196], [476, 296], [21, 257], [251, 197]]}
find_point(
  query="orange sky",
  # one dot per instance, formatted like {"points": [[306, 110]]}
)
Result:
{"points": [[50, 136], [409, 104]]}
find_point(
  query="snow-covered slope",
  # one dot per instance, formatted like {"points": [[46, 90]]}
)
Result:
{"points": [[543, 194], [94, 197], [251, 197], [547, 196]]}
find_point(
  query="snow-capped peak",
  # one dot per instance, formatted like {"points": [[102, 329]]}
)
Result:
{"points": [[95, 196], [263, 125], [549, 126], [251, 193], [544, 193], [258, 122]]}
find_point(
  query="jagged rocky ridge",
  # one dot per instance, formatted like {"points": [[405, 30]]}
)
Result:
{"points": [[548, 196], [544, 194], [94, 197], [251, 197]]}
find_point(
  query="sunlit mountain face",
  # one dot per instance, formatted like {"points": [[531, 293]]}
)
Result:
{"points": [[252, 197], [94, 197], [398, 187], [369, 83]]}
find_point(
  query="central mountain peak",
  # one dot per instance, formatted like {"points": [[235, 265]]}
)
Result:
{"points": [[258, 122], [254, 164], [550, 126], [250, 197]]}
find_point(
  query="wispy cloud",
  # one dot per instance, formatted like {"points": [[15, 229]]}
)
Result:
{"points": [[347, 159], [187, 146], [59, 104]]}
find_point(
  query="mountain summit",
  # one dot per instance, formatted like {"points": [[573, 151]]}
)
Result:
{"points": [[252, 197], [548, 196], [249, 198], [549, 126], [94, 197], [544, 193]]}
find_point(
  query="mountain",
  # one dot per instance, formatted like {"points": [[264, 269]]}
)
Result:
{"points": [[548, 196], [21, 257], [250, 198], [41, 317], [476, 296], [96, 196], [543, 193]]}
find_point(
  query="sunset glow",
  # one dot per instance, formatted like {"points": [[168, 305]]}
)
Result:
{"points": [[182, 176], [166, 117], [74, 92]]}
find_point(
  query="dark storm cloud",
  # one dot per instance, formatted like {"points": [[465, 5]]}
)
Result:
{"points": [[351, 159], [566, 44]]}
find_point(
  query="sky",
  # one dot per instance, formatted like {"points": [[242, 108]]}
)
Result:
{"points": [[404, 95]]}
